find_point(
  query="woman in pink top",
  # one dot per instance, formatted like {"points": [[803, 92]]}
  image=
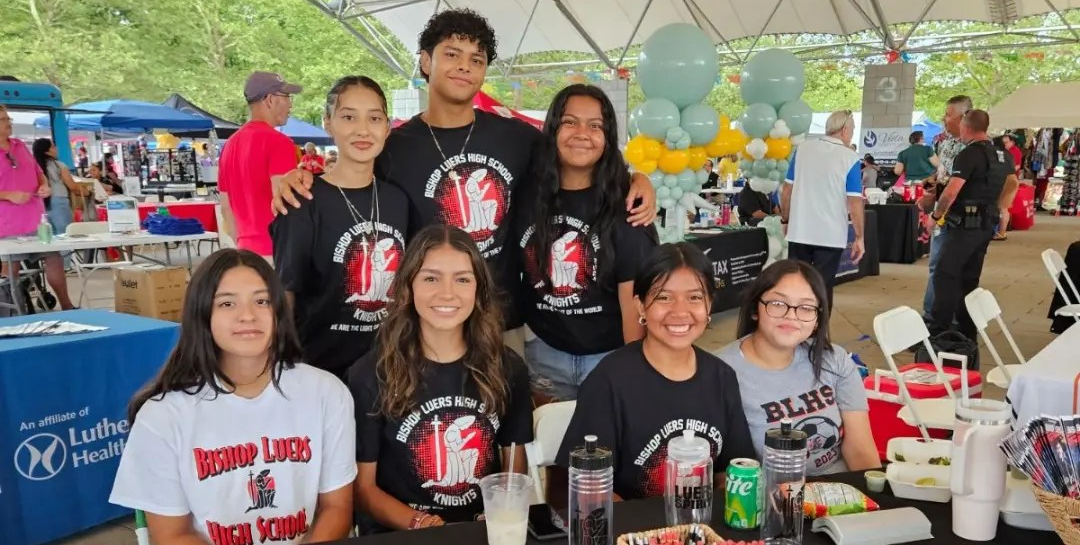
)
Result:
{"points": [[22, 188]]}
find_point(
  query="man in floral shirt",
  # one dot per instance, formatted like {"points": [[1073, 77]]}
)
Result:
{"points": [[947, 145]]}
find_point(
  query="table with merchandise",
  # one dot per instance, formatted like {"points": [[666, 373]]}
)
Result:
{"points": [[640, 515]]}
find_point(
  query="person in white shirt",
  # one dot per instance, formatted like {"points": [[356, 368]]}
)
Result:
{"points": [[235, 441], [824, 186]]}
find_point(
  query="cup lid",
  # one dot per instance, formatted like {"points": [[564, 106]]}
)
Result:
{"points": [[590, 457], [785, 438], [688, 448]]}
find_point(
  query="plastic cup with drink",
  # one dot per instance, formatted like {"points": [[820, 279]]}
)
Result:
{"points": [[506, 507]]}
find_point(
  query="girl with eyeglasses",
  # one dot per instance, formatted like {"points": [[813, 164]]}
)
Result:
{"points": [[788, 368]]}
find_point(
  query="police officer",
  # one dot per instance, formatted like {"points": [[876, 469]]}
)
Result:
{"points": [[968, 206]]}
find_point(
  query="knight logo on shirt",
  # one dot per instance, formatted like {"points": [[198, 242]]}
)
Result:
{"points": [[451, 447], [472, 193], [571, 264], [261, 489], [371, 259]]}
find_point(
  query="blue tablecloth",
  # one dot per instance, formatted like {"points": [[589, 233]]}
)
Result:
{"points": [[63, 402]]}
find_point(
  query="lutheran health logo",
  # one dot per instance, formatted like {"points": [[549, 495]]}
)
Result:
{"points": [[44, 455]]}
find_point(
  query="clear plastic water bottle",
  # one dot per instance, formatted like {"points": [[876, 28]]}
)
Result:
{"points": [[592, 484], [783, 468], [688, 480], [44, 230]]}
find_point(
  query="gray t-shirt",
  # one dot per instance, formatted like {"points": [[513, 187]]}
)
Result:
{"points": [[813, 406]]}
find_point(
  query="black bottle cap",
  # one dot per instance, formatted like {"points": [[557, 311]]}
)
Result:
{"points": [[590, 457], [785, 438]]}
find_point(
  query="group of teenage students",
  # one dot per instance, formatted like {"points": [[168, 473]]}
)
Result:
{"points": [[400, 270]]}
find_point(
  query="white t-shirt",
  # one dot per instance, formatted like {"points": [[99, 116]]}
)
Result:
{"points": [[248, 470], [824, 173]]}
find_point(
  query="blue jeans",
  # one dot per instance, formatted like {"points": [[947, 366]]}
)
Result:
{"points": [[556, 373], [60, 217], [936, 241]]}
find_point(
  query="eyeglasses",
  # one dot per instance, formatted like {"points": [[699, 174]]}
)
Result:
{"points": [[282, 95], [779, 309], [11, 159]]}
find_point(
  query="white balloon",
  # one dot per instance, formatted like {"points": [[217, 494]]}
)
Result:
{"points": [[763, 185], [757, 148], [798, 139], [780, 129]]}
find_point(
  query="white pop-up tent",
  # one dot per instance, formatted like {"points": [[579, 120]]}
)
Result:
{"points": [[1039, 105]]}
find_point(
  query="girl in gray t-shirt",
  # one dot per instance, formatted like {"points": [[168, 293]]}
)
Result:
{"points": [[784, 374]]}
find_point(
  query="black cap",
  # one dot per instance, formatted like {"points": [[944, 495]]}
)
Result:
{"points": [[590, 457], [785, 438]]}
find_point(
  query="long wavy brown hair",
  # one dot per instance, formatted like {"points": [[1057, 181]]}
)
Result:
{"points": [[401, 365]]}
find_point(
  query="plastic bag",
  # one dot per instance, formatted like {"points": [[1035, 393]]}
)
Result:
{"points": [[828, 499]]}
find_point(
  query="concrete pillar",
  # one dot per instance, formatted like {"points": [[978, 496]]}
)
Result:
{"points": [[618, 90], [405, 103], [888, 102]]}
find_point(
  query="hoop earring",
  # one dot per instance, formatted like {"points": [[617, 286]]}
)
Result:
{"points": [[641, 320], [708, 319]]}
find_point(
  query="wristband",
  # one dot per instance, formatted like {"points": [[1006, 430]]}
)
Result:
{"points": [[418, 518]]}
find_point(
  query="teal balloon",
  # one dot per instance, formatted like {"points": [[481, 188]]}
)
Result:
{"points": [[745, 165], [771, 163], [776, 175], [773, 76], [758, 119], [671, 180], [687, 180], [655, 116], [678, 62], [701, 122], [663, 192], [782, 165], [657, 178], [632, 127], [702, 176], [677, 138], [798, 115], [676, 192], [761, 168]]}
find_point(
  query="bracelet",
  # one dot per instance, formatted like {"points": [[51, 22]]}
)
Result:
{"points": [[418, 518]]}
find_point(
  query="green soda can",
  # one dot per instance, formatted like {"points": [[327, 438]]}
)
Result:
{"points": [[742, 500]]}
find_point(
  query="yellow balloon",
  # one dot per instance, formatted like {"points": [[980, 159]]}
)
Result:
{"points": [[653, 149], [697, 157], [778, 148], [645, 167], [674, 161], [635, 154]]}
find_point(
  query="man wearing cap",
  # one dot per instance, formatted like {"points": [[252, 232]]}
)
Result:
{"points": [[254, 158]]}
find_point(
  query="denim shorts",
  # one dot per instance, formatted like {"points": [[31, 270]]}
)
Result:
{"points": [[556, 373]]}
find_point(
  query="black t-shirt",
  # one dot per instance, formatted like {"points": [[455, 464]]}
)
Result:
{"points": [[983, 167], [634, 410], [340, 271], [470, 189], [580, 314], [751, 201], [434, 458]]}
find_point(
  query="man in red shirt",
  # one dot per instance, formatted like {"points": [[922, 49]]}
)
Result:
{"points": [[253, 159]]}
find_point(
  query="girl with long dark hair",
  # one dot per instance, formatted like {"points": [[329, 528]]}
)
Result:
{"points": [[441, 400], [235, 434], [58, 206], [337, 255], [645, 393], [788, 368], [579, 252]]}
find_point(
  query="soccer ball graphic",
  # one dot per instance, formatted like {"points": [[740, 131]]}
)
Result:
{"points": [[821, 433]]}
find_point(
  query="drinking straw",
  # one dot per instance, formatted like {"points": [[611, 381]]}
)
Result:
{"points": [[510, 468]]}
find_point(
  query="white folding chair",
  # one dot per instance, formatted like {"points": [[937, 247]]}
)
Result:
{"points": [[1055, 265], [549, 426], [983, 307], [896, 330], [83, 269]]}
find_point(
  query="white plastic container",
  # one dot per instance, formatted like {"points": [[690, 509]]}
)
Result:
{"points": [[903, 476], [914, 450]]}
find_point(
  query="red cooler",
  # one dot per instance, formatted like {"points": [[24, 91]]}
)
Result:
{"points": [[922, 383], [1022, 211]]}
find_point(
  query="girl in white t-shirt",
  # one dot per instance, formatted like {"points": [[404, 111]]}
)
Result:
{"points": [[235, 441]]}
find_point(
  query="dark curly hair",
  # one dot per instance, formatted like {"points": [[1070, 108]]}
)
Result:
{"points": [[465, 24]]}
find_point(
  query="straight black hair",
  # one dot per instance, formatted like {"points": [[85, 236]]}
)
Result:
{"points": [[41, 149], [610, 176], [664, 260], [767, 280], [195, 362], [343, 84]]}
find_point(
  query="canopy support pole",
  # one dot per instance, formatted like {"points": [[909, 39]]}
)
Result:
{"points": [[725, 41], [528, 23], [390, 62], [637, 25], [1063, 20], [907, 35], [763, 29], [869, 21], [584, 34], [890, 42]]}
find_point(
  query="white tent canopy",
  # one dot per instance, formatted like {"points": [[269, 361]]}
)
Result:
{"points": [[598, 26], [1039, 105]]}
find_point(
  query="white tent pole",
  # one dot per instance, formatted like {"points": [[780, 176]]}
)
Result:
{"points": [[764, 27], [724, 40], [1063, 20], [513, 59], [392, 63], [890, 42], [907, 35], [637, 25], [584, 34], [869, 21]]}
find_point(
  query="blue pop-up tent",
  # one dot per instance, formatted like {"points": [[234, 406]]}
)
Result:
{"points": [[929, 129], [130, 116], [302, 133]]}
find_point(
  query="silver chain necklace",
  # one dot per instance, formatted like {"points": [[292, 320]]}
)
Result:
{"points": [[373, 216], [453, 172]]}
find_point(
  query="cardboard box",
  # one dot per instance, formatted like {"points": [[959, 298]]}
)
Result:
{"points": [[151, 291]]}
